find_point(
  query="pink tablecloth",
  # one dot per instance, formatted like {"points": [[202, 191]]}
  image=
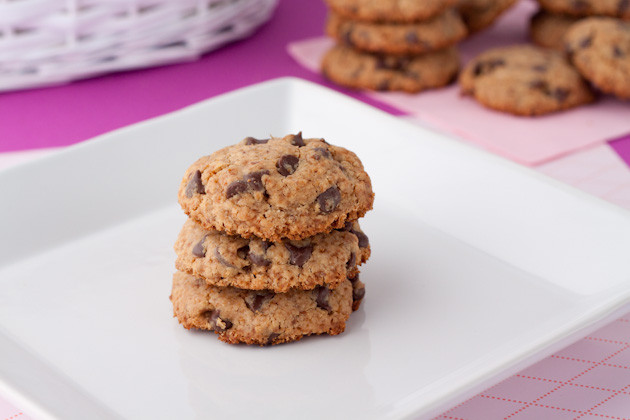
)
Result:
{"points": [[590, 379]]}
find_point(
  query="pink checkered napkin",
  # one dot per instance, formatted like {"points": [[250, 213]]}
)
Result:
{"points": [[587, 380], [529, 141], [10, 412]]}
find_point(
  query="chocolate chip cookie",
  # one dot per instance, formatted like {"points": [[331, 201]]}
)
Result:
{"points": [[389, 10], [613, 8], [548, 29], [358, 70], [441, 31], [524, 80], [277, 188], [600, 49], [224, 260], [263, 317], [479, 14]]}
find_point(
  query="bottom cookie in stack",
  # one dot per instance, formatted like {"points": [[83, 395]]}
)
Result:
{"points": [[352, 68], [263, 317]]}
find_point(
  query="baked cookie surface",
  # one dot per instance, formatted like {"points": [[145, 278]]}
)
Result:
{"points": [[326, 259], [347, 67], [389, 10], [439, 32], [524, 80], [548, 29], [613, 8], [479, 14], [600, 49], [262, 317], [276, 188]]}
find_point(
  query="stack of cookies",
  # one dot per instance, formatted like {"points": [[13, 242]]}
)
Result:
{"points": [[393, 44], [555, 17], [271, 249], [595, 34]]}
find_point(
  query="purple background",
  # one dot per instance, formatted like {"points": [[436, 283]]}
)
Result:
{"points": [[63, 115], [67, 114]]}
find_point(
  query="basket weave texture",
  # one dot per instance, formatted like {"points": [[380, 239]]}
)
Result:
{"points": [[54, 41]]}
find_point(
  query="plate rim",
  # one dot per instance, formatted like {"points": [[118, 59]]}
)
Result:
{"points": [[596, 314]]}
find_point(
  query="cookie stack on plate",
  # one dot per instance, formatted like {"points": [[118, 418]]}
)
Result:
{"points": [[393, 44], [271, 249]]}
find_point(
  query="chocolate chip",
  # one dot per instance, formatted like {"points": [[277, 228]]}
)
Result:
{"points": [[364, 242], [392, 63], [242, 252], [254, 180], [347, 37], [485, 67], [215, 322], [195, 185], [258, 259], [323, 152], [358, 293], [561, 94], [412, 38], [287, 164], [266, 245], [383, 85], [297, 140], [249, 141], [299, 255], [618, 52], [352, 262], [236, 187], [586, 42], [256, 300], [199, 250], [271, 338], [321, 297], [354, 279], [251, 181], [579, 5], [539, 85], [222, 260], [541, 68], [329, 199], [623, 6]]}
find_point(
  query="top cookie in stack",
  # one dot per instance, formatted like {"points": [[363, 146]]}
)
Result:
{"points": [[247, 190], [393, 44]]}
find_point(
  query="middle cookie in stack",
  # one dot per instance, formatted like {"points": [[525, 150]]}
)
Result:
{"points": [[393, 44], [271, 249]]}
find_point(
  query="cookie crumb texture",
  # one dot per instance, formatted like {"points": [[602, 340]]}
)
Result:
{"points": [[612, 8], [225, 260], [398, 11], [441, 31], [277, 188], [359, 70], [524, 80], [263, 317], [600, 49]]}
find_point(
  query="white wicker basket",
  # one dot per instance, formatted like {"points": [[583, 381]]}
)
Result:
{"points": [[53, 41]]}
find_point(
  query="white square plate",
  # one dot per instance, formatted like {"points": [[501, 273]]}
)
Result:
{"points": [[479, 266]]}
